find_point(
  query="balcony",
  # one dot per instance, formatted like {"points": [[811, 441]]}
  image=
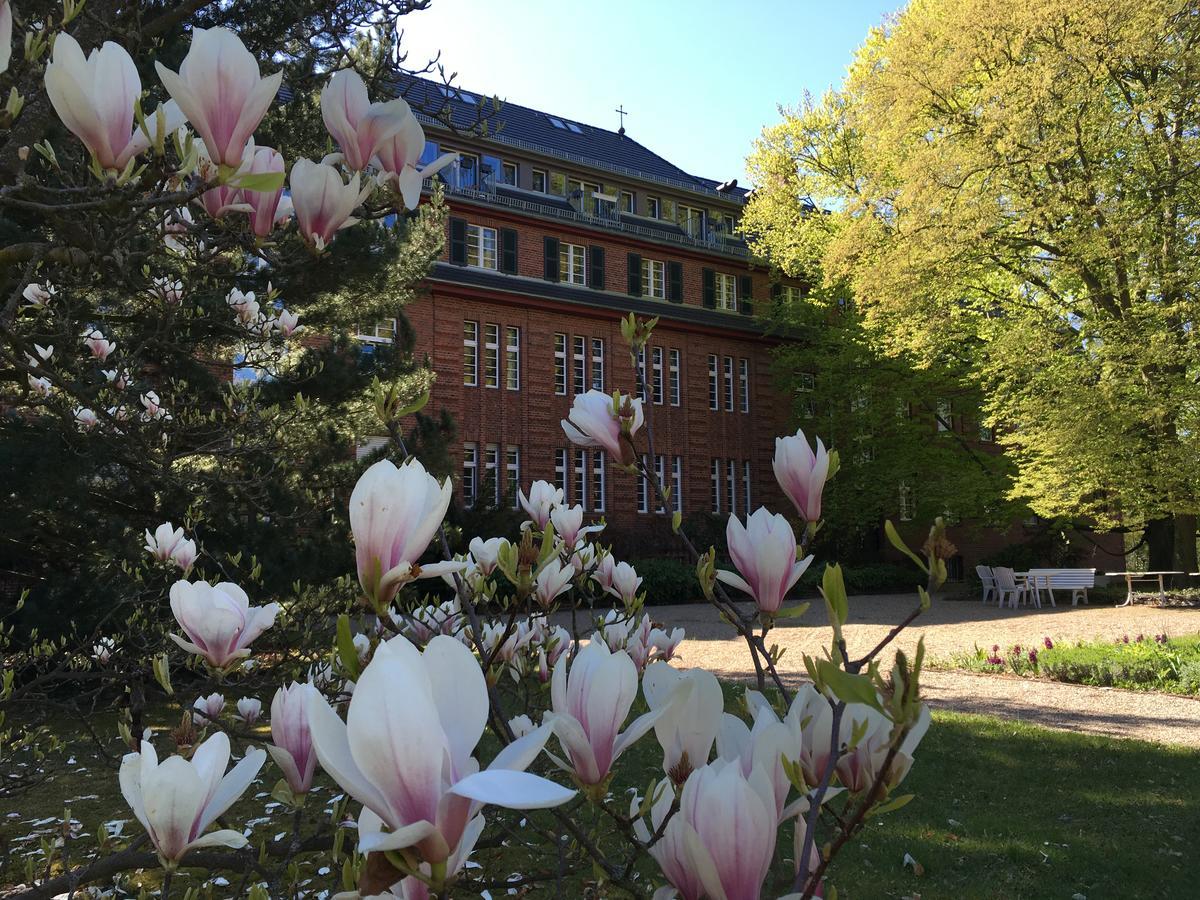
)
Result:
{"points": [[597, 211]]}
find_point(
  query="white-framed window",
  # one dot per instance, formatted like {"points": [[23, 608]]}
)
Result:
{"points": [[643, 491], [598, 364], [537, 180], [579, 359], [715, 475], [491, 355], [677, 484], [599, 480], [644, 372], [660, 472], [512, 357], [587, 194], [987, 434], [730, 223], [470, 353], [572, 263], [714, 396], [369, 446], [691, 220], [653, 207], [491, 469], [790, 293], [726, 292], [656, 374], [903, 409], [470, 467], [381, 332], [908, 502], [673, 376], [560, 474], [627, 201], [510, 172], [512, 465], [945, 414], [744, 384], [580, 483], [746, 485], [560, 363], [481, 247], [731, 485], [654, 279], [729, 384], [808, 382]]}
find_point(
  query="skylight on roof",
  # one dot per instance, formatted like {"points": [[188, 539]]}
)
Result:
{"points": [[556, 122], [575, 128], [455, 94]]}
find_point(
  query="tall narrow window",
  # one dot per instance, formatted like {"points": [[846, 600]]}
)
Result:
{"points": [[579, 359], [491, 355], [579, 485], [597, 364], [598, 481], [513, 467], [491, 471], [470, 353], [644, 374], [746, 485], [907, 502], [481, 247], [560, 363], [726, 292], [744, 383], [470, 465], [673, 376], [716, 485], [626, 201], [512, 357], [945, 416], [656, 374], [677, 484], [653, 207], [537, 180], [653, 279], [572, 263], [729, 384], [643, 491], [660, 473], [714, 396], [731, 486], [560, 474]]}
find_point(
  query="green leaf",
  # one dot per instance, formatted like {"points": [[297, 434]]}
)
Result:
{"points": [[262, 182], [898, 542], [851, 688], [347, 652], [892, 805], [793, 612]]}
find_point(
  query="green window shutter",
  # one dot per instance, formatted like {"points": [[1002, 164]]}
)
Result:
{"points": [[550, 245], [709, 288], [458, 241], [635, 275], [596, 267], [675, 282], [746, 295], [508, 251]]}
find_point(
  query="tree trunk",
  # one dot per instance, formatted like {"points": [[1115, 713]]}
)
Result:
{"points": [[1185, 543], [1160, 542]]}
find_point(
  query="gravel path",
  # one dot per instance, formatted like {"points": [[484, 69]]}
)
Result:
{"points": [[952, 626]]}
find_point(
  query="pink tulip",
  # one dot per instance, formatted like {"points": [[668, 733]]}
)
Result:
{"points": [[219, 622], [802, 473], [359, 126], [398, 157], [265, 204], [292, 749], [589, 706], [394, 514], [95, 97], [219, 89], [322, 201], [764, 551], [542, 500], [598, 420]]}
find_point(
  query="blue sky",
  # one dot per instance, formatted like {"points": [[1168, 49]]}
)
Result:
{"points": [[700, 79]]}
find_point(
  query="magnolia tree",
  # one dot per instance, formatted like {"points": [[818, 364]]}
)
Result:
{"points": [[497, 740]]}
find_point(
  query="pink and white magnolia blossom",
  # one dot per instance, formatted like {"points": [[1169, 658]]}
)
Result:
{"points": [[287, 323], [410, 888], [38, 296], [323, 201], [95, 96], [249, 709], [670, 850], [603, 573], [568, 525], [553, 579], [693, 705], [399, 155], [100, 346], [170, 290], [162, 543], [184, 554], [44, 353], [589, 705], [624, 582], [221, 93], [764, 551], [764, 746], [665, 643], [218, 620], [292, 745], [802, 473], [859, 765], [610, 422], [394, 514], [405, 749], [6, 27], [85, 418], [359, 126], [487, 553], [264, 205], [208, 709], [178, 799], [40, 386], [542, 499]]}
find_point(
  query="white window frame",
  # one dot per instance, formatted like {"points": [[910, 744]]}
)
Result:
{"points": [[987, 434], [725, 291], [790, 293], [579, 470], [744, 374], [714, 390], [491, 355], [643, 491], [512, 467], [673, 373], [731, 485], [908, 502], [808, 382], [656, 375], [491, 466], [660, 474], [597, 373], [373, 336], [715, 483], [654, 207], [728, 369], [945, 415], [746, 485], [470, 353], [644, 372], [654, 279], [599, 481], [560, 474], [470, 469], [560, 363], [631, 206], [677, 485], [572, 263], [579, 363], [482, 249], [512, 357], [505, 166], [533, 174]]}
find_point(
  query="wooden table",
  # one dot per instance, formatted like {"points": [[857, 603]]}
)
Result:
{"points": [[1131, 577]]}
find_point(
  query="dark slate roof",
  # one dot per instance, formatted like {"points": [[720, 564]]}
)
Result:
{"points": [[536, 130]]}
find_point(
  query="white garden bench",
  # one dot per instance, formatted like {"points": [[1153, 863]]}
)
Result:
{"points": [[1077, 581]]}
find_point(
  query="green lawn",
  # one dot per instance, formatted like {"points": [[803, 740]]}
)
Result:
{"points": [[1002, 811]]}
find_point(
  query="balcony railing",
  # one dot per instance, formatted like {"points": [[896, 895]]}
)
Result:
{"points": [[481, 186]]}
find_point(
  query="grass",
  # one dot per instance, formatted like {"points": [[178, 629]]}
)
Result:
{"points": [[1141, 663], [1002, 810]]}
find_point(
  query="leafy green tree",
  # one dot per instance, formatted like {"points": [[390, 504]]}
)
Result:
{"points": [[1017, 184]]}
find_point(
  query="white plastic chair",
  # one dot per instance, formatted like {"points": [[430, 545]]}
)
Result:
{"points": [[988, 580], [1008, 586]]}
